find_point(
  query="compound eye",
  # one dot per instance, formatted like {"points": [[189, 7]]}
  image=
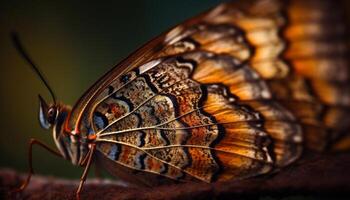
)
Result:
{"points": [[51, 115]]}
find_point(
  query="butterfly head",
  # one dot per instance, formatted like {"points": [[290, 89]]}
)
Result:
{"points": [[53, 116]]}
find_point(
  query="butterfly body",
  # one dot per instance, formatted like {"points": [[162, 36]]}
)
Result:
{"points": [[236, 92]]}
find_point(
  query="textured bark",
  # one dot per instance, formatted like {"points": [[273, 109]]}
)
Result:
{"points": [[319, 176]]}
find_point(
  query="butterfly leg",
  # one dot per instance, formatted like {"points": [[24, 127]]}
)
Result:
{"points": [[32, 142], [87, 162]]}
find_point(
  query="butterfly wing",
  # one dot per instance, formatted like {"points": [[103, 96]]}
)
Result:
{"points": [[198, 109], [317, 91], [207, 99]]}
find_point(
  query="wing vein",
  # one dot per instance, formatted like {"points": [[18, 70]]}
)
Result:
{"points": [[145, 149]]}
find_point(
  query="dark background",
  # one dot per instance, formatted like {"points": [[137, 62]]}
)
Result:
{"points": [[73, 44]]}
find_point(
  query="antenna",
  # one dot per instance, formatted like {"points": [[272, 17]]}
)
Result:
{"points": [[18, 45]]}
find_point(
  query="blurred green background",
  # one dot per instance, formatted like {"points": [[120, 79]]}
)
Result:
{"points": [[73, 44]]}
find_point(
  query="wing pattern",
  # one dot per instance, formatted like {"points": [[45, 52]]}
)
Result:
{"points": [[176, 120], [230, 94]]}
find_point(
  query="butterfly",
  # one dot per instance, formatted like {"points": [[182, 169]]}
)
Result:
{"points": [[238, 91]]}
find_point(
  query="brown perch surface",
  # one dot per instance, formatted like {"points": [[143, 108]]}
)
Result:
{"points": [[313, 175]]}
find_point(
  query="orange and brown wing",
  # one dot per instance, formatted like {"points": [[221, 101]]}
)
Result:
{"points": [[223, 96], [201, 108], [319, 87]]}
